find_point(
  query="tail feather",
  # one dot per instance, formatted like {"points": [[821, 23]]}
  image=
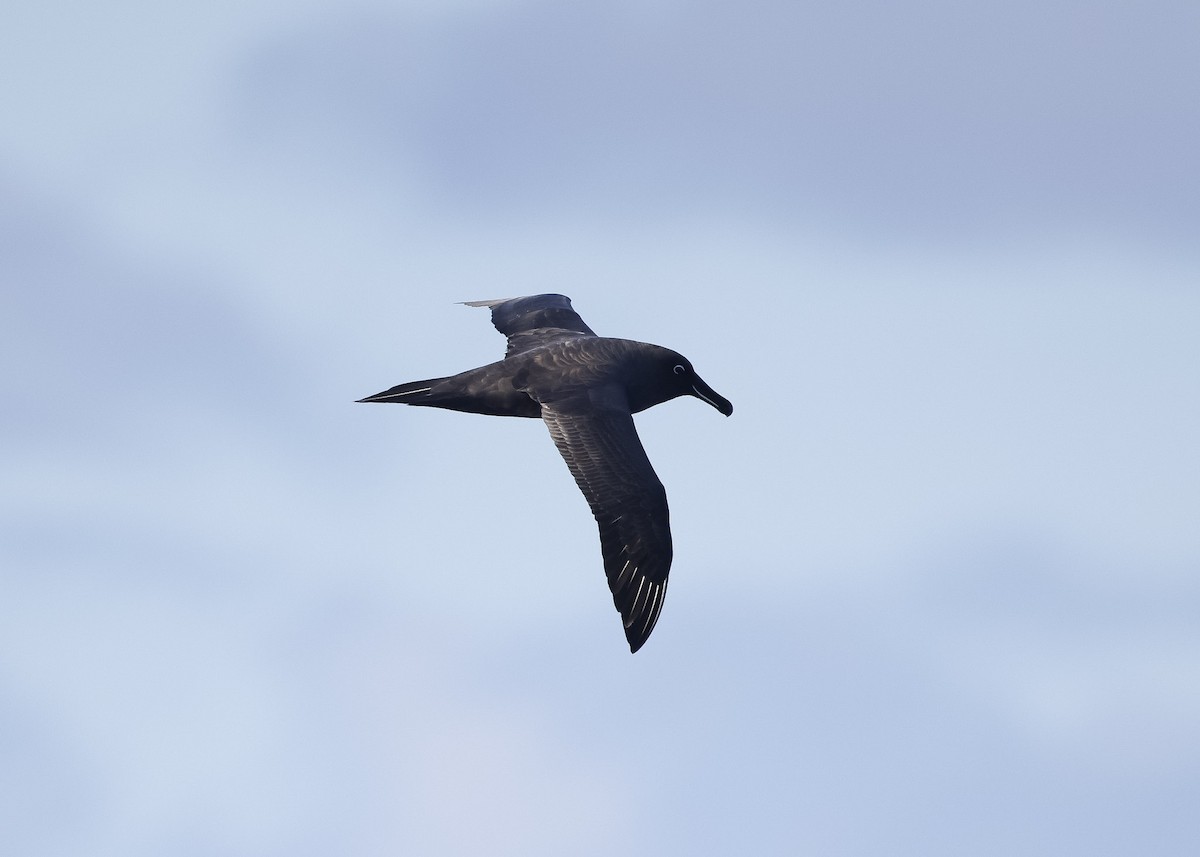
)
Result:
{"points": [[486, 390], [411, 393]]}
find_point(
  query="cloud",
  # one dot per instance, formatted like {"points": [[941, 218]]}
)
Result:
{"points": [[863, 115]]}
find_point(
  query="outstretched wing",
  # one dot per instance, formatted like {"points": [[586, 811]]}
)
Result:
{"points": [[534, 321], [602, 450]]}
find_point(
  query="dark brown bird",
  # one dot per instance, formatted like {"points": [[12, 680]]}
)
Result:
{"points": [[586, 388]]}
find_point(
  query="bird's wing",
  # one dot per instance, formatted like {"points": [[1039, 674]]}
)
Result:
{"points": [[602, 450], [534, 321]]}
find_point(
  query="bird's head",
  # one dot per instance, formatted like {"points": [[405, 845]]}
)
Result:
{"points": [[672, 375]]}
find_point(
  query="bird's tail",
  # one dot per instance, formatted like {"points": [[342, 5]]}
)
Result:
{"points": [[411, 393], [486, 390]]}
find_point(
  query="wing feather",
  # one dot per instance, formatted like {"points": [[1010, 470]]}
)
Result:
{"points": [[603, 452], [534, 321]]}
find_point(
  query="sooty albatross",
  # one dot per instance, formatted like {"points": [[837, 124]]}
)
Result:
{"points": [[586, 388]]}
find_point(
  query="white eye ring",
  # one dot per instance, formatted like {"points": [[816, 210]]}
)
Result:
{"points": [[680, 368]]}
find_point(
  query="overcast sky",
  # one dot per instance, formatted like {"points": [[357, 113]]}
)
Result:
{"points": [[937, 581]]}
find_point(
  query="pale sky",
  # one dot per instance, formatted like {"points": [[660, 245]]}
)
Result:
{"points": [[935, 588]]}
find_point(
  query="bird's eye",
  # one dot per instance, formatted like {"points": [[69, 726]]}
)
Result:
{"points": [[680, 368]]}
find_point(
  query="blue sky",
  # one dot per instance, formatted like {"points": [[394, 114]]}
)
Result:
{"points": [[935, 588]]}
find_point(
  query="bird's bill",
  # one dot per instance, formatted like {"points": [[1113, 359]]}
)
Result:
{"points": [[706, 393]]}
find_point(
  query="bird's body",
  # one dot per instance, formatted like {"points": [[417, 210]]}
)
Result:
{"points": [[586, 388]]}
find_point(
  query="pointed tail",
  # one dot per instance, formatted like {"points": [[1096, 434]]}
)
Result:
{"points": [[412, 393]]}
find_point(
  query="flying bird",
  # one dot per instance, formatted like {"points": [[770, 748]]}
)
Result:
{"points": [[586, 389]]}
